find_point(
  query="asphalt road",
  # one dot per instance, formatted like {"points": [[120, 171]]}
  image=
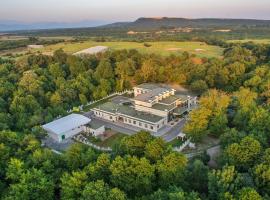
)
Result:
{"points": [[174, 131]]}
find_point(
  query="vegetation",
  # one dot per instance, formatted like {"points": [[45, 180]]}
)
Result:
{"points": [[234, 107]]}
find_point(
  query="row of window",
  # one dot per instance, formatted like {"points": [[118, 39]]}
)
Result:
{"points": [[139, 123], [131, 121]]}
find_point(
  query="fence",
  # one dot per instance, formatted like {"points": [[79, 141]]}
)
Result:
{"points": [[95, 101], [82, 139]]}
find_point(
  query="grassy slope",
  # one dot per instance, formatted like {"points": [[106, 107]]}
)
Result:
{"points": [[258, 41], [157, 47]]}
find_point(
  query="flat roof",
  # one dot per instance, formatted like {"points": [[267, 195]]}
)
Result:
{"points": [[151, 95], [169, 100], [129, 111], [92, 50], [148, 86], [162, 107], [182, 97], [95, 124], [66, 123]]}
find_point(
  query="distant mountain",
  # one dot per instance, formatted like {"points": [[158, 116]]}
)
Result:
{"points": [[6, 25], [157, 23], [101, 28]]}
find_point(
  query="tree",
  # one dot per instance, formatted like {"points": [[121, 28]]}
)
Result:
{"points": [[155, 149], [171, 169], [99, 191], [261, 173], [132, 175], [104, 70], [244, 154], [173, 193], [100, 169], [30, 82], [79, 155], [197, 126], [198, 173], [224, 183], [33, 184], [56, 70], [199, 86], [73, 184], [135, 144], [248, 194]]}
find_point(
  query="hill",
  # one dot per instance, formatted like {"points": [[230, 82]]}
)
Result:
{"points": [[165, 22]]}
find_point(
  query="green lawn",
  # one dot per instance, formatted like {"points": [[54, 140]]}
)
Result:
{"points": [[176, 142], [110, 142], [258, 41], [164, 48]]}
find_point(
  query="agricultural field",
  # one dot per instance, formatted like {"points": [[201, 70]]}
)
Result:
{"points": [[163, 48]]}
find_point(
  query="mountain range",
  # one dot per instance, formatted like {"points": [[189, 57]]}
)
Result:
{"points": [[139, 24]]}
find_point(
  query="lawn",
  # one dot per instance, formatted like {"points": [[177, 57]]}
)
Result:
{"points": [[110, 142], [163, 48], [257, 41], [176, 142]]}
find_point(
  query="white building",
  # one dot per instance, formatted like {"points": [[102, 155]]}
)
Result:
{"points": [[95, 128], [152, 107], [66, 127], [92, 51]]}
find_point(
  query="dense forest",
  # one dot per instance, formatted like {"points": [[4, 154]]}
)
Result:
{"points": [[234, 106]]}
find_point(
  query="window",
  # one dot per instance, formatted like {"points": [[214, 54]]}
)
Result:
{"points": [[145, 125], [129, 121], [63, 137], [158, 126], [110, 117], [151, 127], [140, 124], [134, 122]]}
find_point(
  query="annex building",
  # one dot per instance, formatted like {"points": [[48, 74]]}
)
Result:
{"points": [[152, 107], [66, 127]]}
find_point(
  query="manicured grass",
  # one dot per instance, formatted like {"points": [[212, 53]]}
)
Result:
{"points": [[258, 41], [163, 48], [110, 142]]}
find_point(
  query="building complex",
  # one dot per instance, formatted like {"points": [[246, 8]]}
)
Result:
{"points": [[152, 107]]}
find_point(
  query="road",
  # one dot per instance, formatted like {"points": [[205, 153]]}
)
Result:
{"points": [[175, 130], [130, 130]]}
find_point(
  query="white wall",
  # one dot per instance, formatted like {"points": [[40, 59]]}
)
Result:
{"points": [[68, 134], [152, 111], [95, 132], [105, 115]]}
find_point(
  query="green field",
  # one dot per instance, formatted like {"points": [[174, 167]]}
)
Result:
{"points": [[110, 142], [258, 41], [163, 48]]}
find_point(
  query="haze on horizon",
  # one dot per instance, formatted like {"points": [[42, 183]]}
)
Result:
{"points": [[128, 10]]}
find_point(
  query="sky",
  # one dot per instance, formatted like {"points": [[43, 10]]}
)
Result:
{"points": [[128, 10]]}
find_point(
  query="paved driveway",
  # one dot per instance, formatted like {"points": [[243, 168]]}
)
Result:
{"points": [[175, 130]]}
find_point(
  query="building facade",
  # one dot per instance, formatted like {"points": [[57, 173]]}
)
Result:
{"points": [[151, 108]]}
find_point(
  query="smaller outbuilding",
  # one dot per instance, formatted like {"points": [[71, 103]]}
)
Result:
{"points": [[91, 51], [66, 127], [35, 46], [95, 128]]}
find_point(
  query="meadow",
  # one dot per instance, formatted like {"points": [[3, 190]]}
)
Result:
{"points": [[163, 48], [257, 41]]}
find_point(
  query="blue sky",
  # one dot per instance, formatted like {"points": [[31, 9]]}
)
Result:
{"points": [[127, 10]]}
